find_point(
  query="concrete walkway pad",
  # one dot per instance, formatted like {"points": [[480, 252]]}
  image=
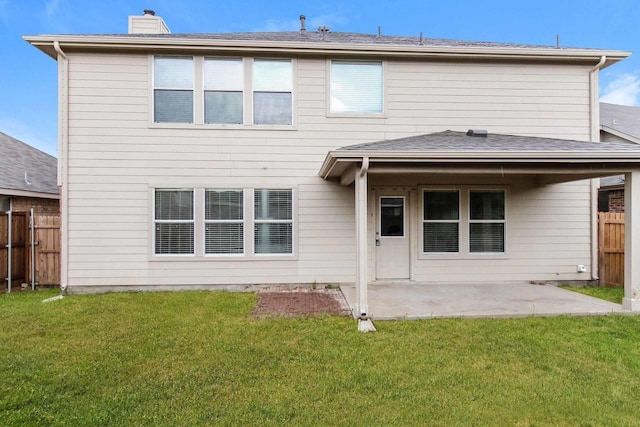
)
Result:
{"points": [[424, 301]]}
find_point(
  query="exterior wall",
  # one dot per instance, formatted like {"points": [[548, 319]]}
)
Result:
{"points": [[616, 201], [116, 156], [41, 206]]}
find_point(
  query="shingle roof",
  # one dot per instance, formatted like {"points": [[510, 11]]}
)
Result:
{"points": [[620, 118], [334, 37], [16, 158], [460, 142]]}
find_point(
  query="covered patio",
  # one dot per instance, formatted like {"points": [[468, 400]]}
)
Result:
{"points": [[477, 156], [393, 301]]}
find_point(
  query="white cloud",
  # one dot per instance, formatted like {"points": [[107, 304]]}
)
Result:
{"points": [[51, 7], [623, 90]]}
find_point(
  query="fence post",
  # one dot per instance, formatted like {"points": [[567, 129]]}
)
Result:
{"points": [[9, 250], [33, 252]]}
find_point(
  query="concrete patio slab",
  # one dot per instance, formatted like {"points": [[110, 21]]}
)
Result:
{"points": [[425, 301]]}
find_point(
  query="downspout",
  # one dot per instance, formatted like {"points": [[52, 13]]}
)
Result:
{"points": [[63, 161], [595, 136]]}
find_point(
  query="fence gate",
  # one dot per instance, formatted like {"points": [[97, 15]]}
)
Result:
{"points": [[611, 249], [31, 253]]}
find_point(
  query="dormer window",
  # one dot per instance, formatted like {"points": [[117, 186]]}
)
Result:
{"points": [[356, 87]]}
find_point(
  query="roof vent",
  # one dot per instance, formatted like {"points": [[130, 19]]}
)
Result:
{"points": [[303, 29], [149, 12], [482, 133], [323, 30]]}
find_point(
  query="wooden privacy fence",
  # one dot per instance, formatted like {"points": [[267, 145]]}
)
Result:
{"points": [[29, 250], [611, 248]]}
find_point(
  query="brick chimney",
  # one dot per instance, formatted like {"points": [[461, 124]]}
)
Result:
{"points": [[148, 23]]}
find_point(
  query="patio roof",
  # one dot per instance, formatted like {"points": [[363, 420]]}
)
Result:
{"points": [[448, 150]]}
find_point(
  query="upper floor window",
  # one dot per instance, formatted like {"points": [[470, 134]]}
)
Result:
{"points": [[272, 92], [223, 91], [173, 89], [356, 87]]}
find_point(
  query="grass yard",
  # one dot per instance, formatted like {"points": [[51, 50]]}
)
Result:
{"points": [[608, 294], [196, 358]]}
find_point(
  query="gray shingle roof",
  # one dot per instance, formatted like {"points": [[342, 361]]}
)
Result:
{"points": [[620, 118], [337, 38], [461, 142], [16, 158]]}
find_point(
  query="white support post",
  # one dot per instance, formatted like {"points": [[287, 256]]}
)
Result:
{"points": [[362, 305], [631, 300]]}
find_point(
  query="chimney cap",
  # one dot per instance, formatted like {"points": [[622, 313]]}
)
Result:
{"points": [[149, 12], [478, 133]]}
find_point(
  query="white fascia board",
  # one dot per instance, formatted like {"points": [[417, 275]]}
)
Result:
{"points": [[45, 43]]}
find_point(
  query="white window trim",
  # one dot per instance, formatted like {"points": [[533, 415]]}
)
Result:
{"points": [[225, 221], [243, 61], [198, 97], [291, 221], [486, 221], [381, 115], [249, 254], [463, 230], [169, 221], [440, 221], [152, 115]]}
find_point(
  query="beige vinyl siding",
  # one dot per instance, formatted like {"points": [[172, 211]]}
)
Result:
{"points": [[116, 156]]}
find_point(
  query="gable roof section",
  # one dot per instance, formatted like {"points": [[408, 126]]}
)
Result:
{"points": [[621, 121], [460, 148], [311, 42], [18, 159]]}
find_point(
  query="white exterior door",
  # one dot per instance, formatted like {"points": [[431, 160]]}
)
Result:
{"points": [[392, 236]]}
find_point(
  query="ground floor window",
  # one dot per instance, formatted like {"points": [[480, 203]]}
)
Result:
{"points": [[174, 221], [273, 225], [463, 221], [223, 222]]}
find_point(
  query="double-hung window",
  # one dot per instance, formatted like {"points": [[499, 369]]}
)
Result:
{"points": [[273, 221], [441, 221], [224, 222], [173, 79], [223, 91], [486, 221], [174, 222], [272, 92], [356, 87]]}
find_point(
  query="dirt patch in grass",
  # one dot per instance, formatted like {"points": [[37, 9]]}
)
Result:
{"points": [[300, 302]]}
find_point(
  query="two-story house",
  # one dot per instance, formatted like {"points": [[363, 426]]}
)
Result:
{"points": [[202, 161]]}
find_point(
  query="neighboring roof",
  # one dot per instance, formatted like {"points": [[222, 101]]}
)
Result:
{"points": [[459, 147], [621, 120], [24, 168], [312, 42]]}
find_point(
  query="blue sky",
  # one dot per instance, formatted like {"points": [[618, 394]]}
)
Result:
{"points": [[28, 78]]}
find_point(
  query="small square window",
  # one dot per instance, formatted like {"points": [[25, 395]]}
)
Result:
{"points": [[356, 87]]}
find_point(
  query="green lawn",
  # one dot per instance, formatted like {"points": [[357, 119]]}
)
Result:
{"points": [[609, 294], [196, 358]]}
